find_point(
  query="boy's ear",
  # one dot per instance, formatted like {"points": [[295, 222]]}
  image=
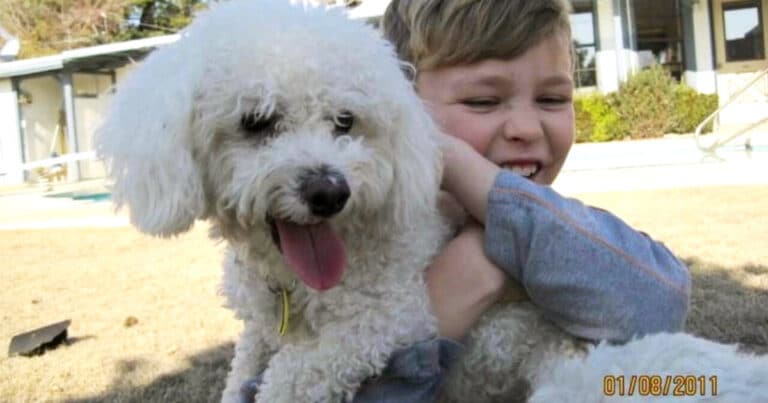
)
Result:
{"points": [[146, 142]]}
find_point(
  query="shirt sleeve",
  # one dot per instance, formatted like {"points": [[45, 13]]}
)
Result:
{"points": [[590, 272], [413, 374]]}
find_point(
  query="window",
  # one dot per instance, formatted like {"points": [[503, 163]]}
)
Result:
{"points": [[584, 44], [660, 34], [743, 31]]}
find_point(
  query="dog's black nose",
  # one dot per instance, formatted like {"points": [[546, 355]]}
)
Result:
{"points": [[325, 193]]}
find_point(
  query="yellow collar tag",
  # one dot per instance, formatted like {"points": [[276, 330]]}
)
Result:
{"points": [[284, 311]]}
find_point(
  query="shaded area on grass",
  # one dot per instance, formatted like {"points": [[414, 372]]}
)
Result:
{"points": [[202, 380], [729, 304]]}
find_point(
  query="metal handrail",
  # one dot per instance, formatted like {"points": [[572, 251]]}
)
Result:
{"points": [[717, 143], [48, 162]]}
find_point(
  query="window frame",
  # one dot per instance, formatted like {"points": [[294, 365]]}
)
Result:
{"points": [[718, 16], [577, 69]]}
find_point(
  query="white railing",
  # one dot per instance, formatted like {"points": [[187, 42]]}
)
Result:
{"points": [[721, 140], [48, 163]]}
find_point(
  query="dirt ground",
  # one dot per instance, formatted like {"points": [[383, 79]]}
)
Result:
{"points": [[180, 344]]}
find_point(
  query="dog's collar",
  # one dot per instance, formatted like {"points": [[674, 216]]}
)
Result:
{"points": [[283, 304], [276, 287]]}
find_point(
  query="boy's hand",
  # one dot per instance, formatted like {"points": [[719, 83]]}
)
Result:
{"points": [[463, 283], [451, 210], [467, 175]]}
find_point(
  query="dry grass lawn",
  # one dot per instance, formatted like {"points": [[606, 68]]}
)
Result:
{"points": [[180, 347]]}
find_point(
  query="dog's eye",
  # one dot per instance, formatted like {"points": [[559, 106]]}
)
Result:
{"points": [[343, 122], [253, 124]]}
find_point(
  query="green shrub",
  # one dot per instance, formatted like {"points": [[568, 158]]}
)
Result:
{"points": [[650, 104], [645, 103], [691, 108], [596, 119], [583, 120]]}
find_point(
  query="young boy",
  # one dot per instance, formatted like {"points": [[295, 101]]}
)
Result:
{"points": [[496, 76]]}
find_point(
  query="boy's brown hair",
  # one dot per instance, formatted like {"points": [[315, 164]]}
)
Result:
{"points": [[438, 33]]}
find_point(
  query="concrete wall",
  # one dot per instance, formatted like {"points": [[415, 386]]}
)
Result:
{"points": [[92, 95], [746, 109], [606, 61], [40, 117], [752, 106], [122, 72], [703, 77], [10, 138], [615, 59]]}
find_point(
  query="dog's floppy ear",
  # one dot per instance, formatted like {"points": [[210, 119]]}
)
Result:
{"points": [[146, 142], [418, 165]]}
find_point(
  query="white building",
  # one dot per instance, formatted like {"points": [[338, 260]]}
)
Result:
{"points": [[51, 105], [703, 42], [712, 45], [715, 46]]}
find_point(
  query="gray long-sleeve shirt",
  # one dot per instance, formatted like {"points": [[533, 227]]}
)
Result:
{"points": [[591, 273]]}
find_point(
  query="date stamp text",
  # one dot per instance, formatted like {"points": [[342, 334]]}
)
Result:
{"points": [[660, 385]]}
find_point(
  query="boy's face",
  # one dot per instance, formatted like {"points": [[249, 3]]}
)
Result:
{"points": [[517, 113]]}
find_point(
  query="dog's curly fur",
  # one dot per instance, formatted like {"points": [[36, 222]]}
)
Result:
{"points": [[178, 152], [225, 125]]}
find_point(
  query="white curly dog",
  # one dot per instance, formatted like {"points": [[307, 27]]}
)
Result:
{"points": [[295, 133]]}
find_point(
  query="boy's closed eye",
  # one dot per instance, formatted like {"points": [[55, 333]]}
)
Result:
{"points": [[481, 103], [554, 101], [486, 104]]}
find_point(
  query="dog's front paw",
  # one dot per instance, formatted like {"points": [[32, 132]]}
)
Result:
{"points": [[298, 389], [298, 381]]}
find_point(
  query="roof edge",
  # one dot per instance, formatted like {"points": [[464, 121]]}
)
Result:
{"points": [[56, 62]]}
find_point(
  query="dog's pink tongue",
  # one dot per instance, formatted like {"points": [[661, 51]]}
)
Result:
{"points": [[315, 252]]}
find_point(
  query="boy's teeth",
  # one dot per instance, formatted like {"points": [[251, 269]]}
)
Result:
{"points": [[523, 170]]}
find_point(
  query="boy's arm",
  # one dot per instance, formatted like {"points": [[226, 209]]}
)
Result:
{"points": [[590, 272], [462, 283]]}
